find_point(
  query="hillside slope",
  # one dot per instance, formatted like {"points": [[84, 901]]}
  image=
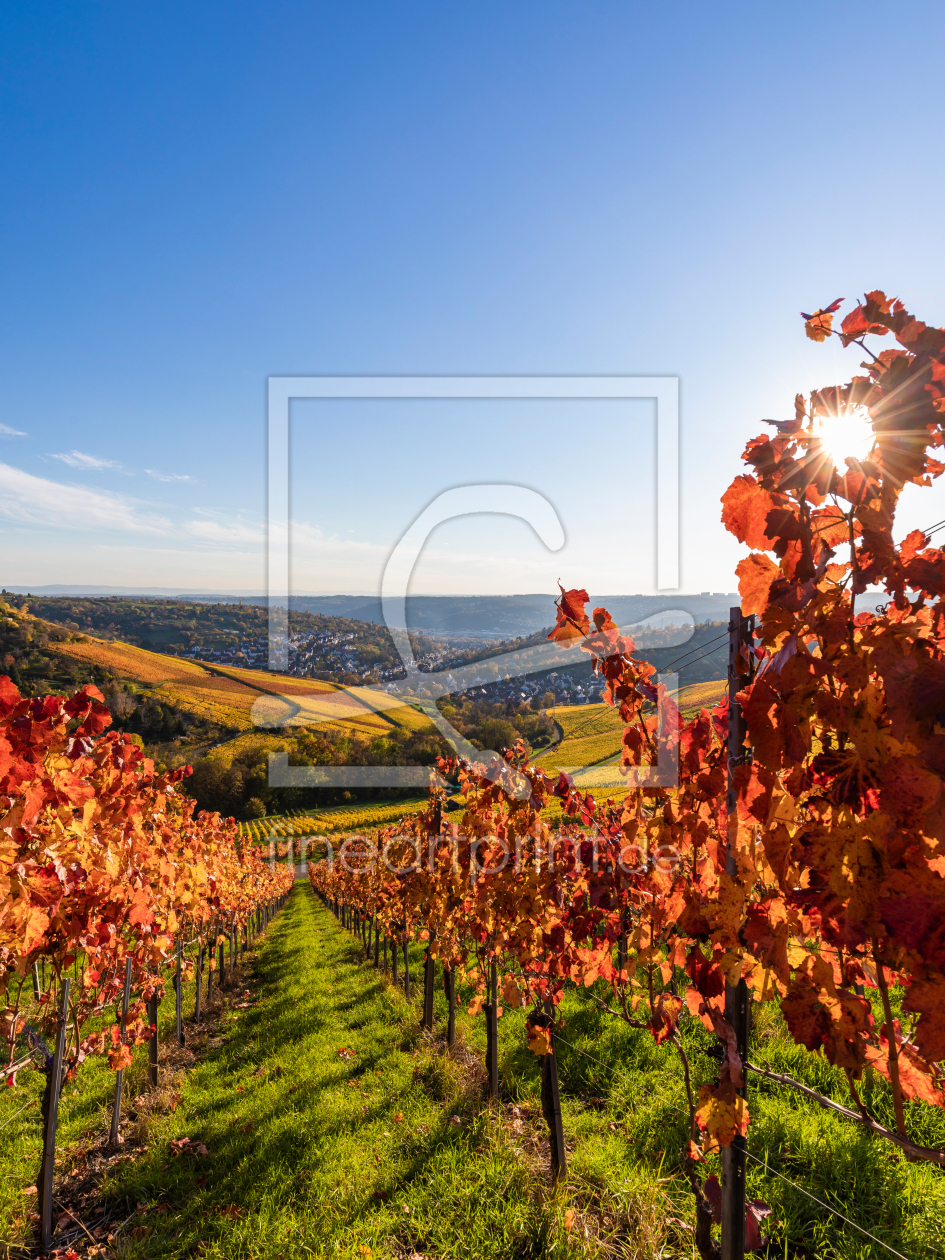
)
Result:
{"points": [[214, 717], [201, 713], [593, 732]]}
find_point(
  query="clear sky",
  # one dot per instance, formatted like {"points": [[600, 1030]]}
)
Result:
{"points": [[197, 196]]}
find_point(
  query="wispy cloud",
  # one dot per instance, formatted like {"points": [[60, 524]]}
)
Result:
{"points": [[225, 532], [37, 501], [88, 463], [6, 431], [159, 476]]}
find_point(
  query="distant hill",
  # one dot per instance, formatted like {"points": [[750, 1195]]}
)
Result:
{"points": [[324, 646], [507, 616], [500, 615], [200, 713]]}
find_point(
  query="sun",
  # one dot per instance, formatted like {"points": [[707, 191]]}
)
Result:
{"points": [[849, 433]]}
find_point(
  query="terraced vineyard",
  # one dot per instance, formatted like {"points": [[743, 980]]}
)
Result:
{"points": [[281, 699], [593, 732], [339, 818], [237, 699], [702, 695], [187, 685], [592, 738]]}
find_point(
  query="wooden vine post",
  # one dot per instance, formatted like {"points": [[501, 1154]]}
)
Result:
{"points": [[551, 1100], [449, 985], [120, 1075], [50, 1106], [429, 976], [737, 998], [622, 942], [199, 981], [491, 1010], [179, 994], [153, 1042], [429, 963]]}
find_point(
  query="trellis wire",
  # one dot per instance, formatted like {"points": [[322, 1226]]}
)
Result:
{"points": [[754, 1158]]}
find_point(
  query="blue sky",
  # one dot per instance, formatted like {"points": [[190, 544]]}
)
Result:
{"points": [[199, 196]]}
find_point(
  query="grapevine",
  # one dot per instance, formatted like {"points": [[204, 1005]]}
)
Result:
{"points": [[101, 860], [835, 899]]}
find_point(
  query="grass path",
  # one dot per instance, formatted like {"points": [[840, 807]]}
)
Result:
{"points": [[317, 1152]]}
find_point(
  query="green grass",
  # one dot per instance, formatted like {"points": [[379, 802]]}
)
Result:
{"points": [[310, 1152], [864, 1177], [316, 1153], [623, 1104]]}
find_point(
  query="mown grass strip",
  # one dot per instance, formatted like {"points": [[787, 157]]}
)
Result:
{"points": [[329, 1129]]}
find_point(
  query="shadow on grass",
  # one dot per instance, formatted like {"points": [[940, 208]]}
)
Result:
{"points": [[283, 1144]]}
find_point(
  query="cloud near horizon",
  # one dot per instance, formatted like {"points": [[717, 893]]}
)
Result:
{"points": [[225, 532], [88, 535], [38, 501]]}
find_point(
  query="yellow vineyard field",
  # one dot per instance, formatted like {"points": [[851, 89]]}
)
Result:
{"points": [[185, 684], [593, 733], [251, 740], [409, 718], [339, 818], [701, 696], [580, 720], [582, 752]]}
